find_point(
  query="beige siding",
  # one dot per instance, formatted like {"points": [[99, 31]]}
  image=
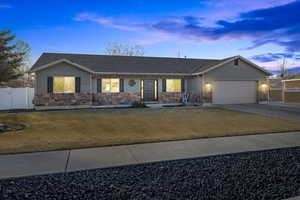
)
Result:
{"points": [[194, 85], [62, 69], [132, 89], [229, 71]]}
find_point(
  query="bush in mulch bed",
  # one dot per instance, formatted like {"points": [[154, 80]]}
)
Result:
{"points": [[4, 127], [138, 104], [272, 174]]}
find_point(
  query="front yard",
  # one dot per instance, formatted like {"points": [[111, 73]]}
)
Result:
{"points": [[56, 130]]}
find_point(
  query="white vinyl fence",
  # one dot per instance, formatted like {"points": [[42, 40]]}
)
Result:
{"points": [[16, 98]]}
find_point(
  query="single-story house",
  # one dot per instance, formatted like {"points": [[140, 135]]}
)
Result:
{"points": [[81, 79]]}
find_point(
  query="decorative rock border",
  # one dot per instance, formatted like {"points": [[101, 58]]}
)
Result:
{"points": [[269, 174]]}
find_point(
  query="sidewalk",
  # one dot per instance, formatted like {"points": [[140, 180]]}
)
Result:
{"points": [[56, 161]]}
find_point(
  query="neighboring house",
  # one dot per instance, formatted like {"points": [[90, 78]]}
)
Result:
{"points": [[79, 79]]}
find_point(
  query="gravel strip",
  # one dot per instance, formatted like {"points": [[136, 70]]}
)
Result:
{"points": [[271, 174]]}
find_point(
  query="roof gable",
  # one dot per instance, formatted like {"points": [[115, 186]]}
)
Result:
{"points": [[60, 61], [227, 60]]}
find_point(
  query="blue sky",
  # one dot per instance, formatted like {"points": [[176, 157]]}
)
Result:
{"points": [[264, 31]]}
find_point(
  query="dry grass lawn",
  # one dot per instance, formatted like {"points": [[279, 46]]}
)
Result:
{"points": [[54, 130]]}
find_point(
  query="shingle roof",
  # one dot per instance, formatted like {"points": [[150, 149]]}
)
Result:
{"points": [[130, 64]]}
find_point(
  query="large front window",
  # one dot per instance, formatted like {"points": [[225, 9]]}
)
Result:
{"points": [[110, 85], [64, 84], [173, 85]]}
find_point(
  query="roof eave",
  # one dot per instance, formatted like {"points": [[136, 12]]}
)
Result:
{"points": [[135, 73]]}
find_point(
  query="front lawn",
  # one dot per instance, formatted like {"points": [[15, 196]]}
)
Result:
{"points": [[55, 130]]}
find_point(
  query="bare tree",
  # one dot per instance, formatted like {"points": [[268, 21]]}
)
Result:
{"points": [[25, 49], [124, 49]]}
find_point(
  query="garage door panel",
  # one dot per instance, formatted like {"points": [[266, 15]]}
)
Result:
{"points": [[234, 92]]}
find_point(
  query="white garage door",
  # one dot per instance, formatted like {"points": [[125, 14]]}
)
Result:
{"points": [[234, 92]]}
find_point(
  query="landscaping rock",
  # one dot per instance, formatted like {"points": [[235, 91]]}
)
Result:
{"points": [[2, 127], [271, 174], [11, 127]]}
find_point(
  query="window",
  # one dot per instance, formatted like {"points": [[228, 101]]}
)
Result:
{"points": [[110, 85], [64, 84], [173, 85]]}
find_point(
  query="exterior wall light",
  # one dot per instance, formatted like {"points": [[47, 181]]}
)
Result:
{"points": [[208, 87], [264, 87]]}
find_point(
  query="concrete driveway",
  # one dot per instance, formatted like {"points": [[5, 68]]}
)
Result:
{"points": [[284, 111]]}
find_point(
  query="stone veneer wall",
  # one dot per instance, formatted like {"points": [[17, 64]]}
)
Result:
{"points": [[195, 97], [115, 98], [207, 96], [176, 97], [107, 98], [62, 99], [169, 97]]}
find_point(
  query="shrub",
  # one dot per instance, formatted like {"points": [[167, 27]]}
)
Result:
{"points": [[138, 104], [11, 127]]}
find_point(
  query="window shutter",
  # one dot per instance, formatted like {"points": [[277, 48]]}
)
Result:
{"points": [[121, 85], [99, 85], [164, 85], [182, 85], [77, 84], [50, 84]]}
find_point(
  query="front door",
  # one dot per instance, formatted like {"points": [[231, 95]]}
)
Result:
{"points": [[149, 90]]}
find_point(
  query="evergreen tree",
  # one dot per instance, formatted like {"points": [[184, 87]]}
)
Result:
{"points": [[10, 58]]}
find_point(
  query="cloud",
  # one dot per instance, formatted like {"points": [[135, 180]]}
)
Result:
{"points": [[5, 6], [151, 36], [250, 5], [103, 21], [278, 24], [271, 57]]}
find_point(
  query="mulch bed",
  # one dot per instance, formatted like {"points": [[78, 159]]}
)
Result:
{"points": [[271, 174], [5, 127]]}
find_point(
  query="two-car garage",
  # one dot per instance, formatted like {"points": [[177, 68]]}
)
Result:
{"points": [[235, 82], [234, 92]]}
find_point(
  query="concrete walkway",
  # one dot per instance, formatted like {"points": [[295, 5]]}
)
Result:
{"points": [[56, 161]]}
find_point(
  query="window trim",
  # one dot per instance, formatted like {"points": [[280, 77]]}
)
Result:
{"points": [[180, 89], [102, 91], [53, 85]]}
